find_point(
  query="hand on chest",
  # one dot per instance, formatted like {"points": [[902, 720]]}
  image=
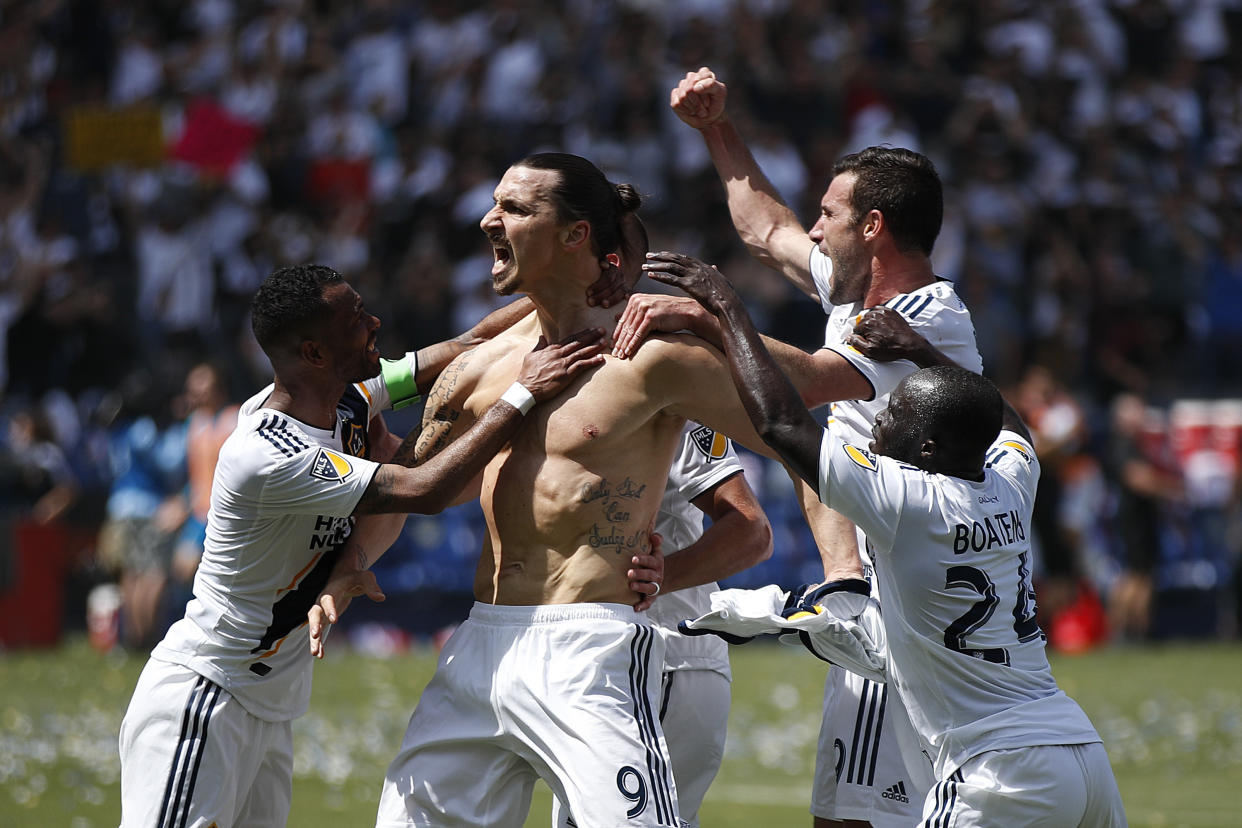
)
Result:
{"points": [[603, 406]]}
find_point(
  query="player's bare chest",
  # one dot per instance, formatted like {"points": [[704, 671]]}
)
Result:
{"points": [[604, 411]]}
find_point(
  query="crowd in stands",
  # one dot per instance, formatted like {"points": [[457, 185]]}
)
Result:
{"points": [[159, 157]]}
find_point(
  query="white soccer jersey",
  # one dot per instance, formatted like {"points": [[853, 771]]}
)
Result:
{"points": [[280, 504], [862, 719], [934, 311], [706, 459], [953, 558]]}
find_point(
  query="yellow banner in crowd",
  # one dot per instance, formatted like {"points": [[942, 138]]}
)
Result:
{"points": [[96, 136]]}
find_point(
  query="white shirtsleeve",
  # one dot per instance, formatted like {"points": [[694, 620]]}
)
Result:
{"points": [[868, 489], [316, 481], [1013, 457], [706, 458], [936, 313], [821, 272]]}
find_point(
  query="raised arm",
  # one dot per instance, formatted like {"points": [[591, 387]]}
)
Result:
{"points": [[770, 230], [738, 538]]}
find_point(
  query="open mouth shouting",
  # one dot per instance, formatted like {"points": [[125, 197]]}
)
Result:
{"points": [[502, 254]]}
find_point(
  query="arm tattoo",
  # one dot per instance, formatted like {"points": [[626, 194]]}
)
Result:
{"points": [[442, 392], [360, 554], [380, 497], [428, 443], [439, 417]]}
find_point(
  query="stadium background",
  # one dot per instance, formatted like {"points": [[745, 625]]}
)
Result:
{"points": [[158, 158]]}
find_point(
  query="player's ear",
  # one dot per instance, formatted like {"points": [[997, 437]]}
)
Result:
{"points": [[576, 234], [310, 352], [873, 224], [613, 259]]}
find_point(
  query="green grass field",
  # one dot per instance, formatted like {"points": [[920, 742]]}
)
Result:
{"points": [[1170, 716]]}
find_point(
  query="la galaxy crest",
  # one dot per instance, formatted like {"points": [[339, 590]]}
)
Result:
{"points": [[354, 438], [711, 444], [330, 466]]}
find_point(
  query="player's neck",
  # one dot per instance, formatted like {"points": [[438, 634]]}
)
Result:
{"points": [[556, 324], [895, 275], [306, 403], [563, 310]]}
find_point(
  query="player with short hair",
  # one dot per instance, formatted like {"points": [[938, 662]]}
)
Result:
{"points": [[944, 493], [207, 738], [870, 247]]}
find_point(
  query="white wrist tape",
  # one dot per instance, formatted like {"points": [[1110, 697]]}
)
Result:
{"points": [[519, 397]]}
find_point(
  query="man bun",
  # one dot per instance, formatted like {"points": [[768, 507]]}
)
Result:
{"points": [[630, 198]]}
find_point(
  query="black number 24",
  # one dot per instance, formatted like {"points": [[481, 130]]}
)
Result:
{"points": [[1024, 623]]}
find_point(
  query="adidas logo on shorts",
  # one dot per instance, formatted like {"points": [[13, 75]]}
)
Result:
{"points": [[897, 792]]}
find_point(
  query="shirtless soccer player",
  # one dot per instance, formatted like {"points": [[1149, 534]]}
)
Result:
{"points": [[706, 479], [554, 674]]}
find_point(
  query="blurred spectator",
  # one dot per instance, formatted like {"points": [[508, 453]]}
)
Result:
{"points": [[1146, 484], [1094, 148], [144, 508], [1059, 429], [1222, 303], [176, 282], [23, 172], [209, 420], [36, 479]]}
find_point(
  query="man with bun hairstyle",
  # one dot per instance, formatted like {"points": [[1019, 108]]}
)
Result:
{"points": [[555, 675]]}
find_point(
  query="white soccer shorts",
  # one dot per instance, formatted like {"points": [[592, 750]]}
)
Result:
{"points": [[694, 712], [192, 756], [860, 772], [1051, 786], [566, 693]]}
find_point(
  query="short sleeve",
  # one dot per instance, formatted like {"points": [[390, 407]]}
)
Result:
{"points": [[1013, 457], [821, 273], [936, 313], [399, 382], [706, 459], [394, 387], [317, 481], [866, 488]]}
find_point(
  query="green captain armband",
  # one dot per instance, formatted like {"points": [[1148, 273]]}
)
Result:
{"points": [[399, 378]]}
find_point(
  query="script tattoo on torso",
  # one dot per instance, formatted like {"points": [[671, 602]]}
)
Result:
{"points": [[612, 533]]}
